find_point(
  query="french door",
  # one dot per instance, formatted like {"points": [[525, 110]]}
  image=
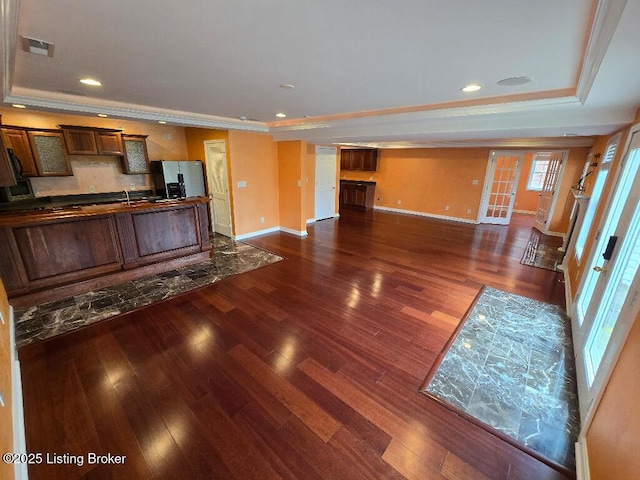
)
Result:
{"points": [[607, 301], [500, 187], [548, 196]]}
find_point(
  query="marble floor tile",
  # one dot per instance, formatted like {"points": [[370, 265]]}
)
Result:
{"points": [[54, 318], [511, 367]]}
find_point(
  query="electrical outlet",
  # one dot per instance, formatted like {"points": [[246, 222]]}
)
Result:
{"points": [[166, 136], [92, 189], [446, 207], [132, 186], [261, 219], [399, 202], [475, 182], [469, 210]]}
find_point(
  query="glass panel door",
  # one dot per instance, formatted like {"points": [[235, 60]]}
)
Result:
{"points": [[500, 187], [606, 301], [548, 196]]}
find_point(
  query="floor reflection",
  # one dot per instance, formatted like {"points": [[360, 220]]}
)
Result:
{"points": [[53, 318]]}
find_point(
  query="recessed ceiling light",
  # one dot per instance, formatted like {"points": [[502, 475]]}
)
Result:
{"points": [[90, 81], [243, 118], [103, 115], [162, 122], [570, 135], [471, 88], [513, 81], [287, 86], [15, 105], [281, 115]]}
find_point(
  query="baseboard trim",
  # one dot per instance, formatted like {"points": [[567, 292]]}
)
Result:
{"points": [[582, 459], [313, 220], [567, 291], [424, 214], [298, 233], [524, 212], [257, 233]]}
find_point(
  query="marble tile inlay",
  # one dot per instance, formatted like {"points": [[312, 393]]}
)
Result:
{"points": [[53, 318], [511, 367]]}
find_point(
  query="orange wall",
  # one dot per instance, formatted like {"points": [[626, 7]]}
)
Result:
{"points": [[291, 171], [103, 172], [559, 221], [6, 385], [612, 439], [426, 180], [254, 159], [526, 200], [194, 139]]}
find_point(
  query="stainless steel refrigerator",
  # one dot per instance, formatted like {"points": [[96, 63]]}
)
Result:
{"points": [[178, 179]]}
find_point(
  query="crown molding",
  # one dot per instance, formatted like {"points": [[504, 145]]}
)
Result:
{"points": [[605, 22], [8, 35], [528, 143], [133, 112]]}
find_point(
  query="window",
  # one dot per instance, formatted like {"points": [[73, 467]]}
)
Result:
{"points": [[598, 187], [539, 167]]}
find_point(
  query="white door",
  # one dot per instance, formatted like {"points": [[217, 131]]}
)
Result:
{"points": [[326, 158], [607, 301], [220, 207], [548, 194], [500, 186]]}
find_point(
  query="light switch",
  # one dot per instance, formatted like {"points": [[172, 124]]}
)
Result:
{"points": [[242, 184], [299, 183]]}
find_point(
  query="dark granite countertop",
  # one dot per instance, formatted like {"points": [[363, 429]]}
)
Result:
{"points": [[65, 201], [359, 182]]}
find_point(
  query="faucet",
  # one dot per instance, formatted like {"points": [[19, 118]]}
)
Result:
{"points": [[128, 199]]}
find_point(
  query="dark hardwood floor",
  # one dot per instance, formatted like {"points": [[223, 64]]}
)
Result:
{"points": [[308, 368]]}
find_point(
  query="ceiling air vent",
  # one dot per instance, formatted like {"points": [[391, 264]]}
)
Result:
{"points": [[31, 45]]}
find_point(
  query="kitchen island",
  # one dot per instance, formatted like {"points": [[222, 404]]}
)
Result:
{"points": [[54, 253]]}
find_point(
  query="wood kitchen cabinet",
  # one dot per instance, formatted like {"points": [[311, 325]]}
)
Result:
{"points": [[80, 141], [18, 140], [92, 141], [136, 158], [7, 176], [49, 254], [109, 143], [359, 159], [50, 153], [357, 194]]}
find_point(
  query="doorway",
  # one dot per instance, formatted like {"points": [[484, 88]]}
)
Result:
{"points": [[556, 162], [217, 177], [325, 203], [607, 301], [500, 187]]}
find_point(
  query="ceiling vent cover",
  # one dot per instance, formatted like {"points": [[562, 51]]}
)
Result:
{"points": [[39, 47]]}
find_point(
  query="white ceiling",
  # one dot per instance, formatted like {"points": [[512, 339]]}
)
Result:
{"points": [[367, 72]]}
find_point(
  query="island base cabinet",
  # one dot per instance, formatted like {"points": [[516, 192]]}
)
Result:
{"points": [[42, 257], [153, 236]]}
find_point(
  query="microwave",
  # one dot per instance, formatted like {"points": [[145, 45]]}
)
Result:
{"points": [[21, 191]]}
